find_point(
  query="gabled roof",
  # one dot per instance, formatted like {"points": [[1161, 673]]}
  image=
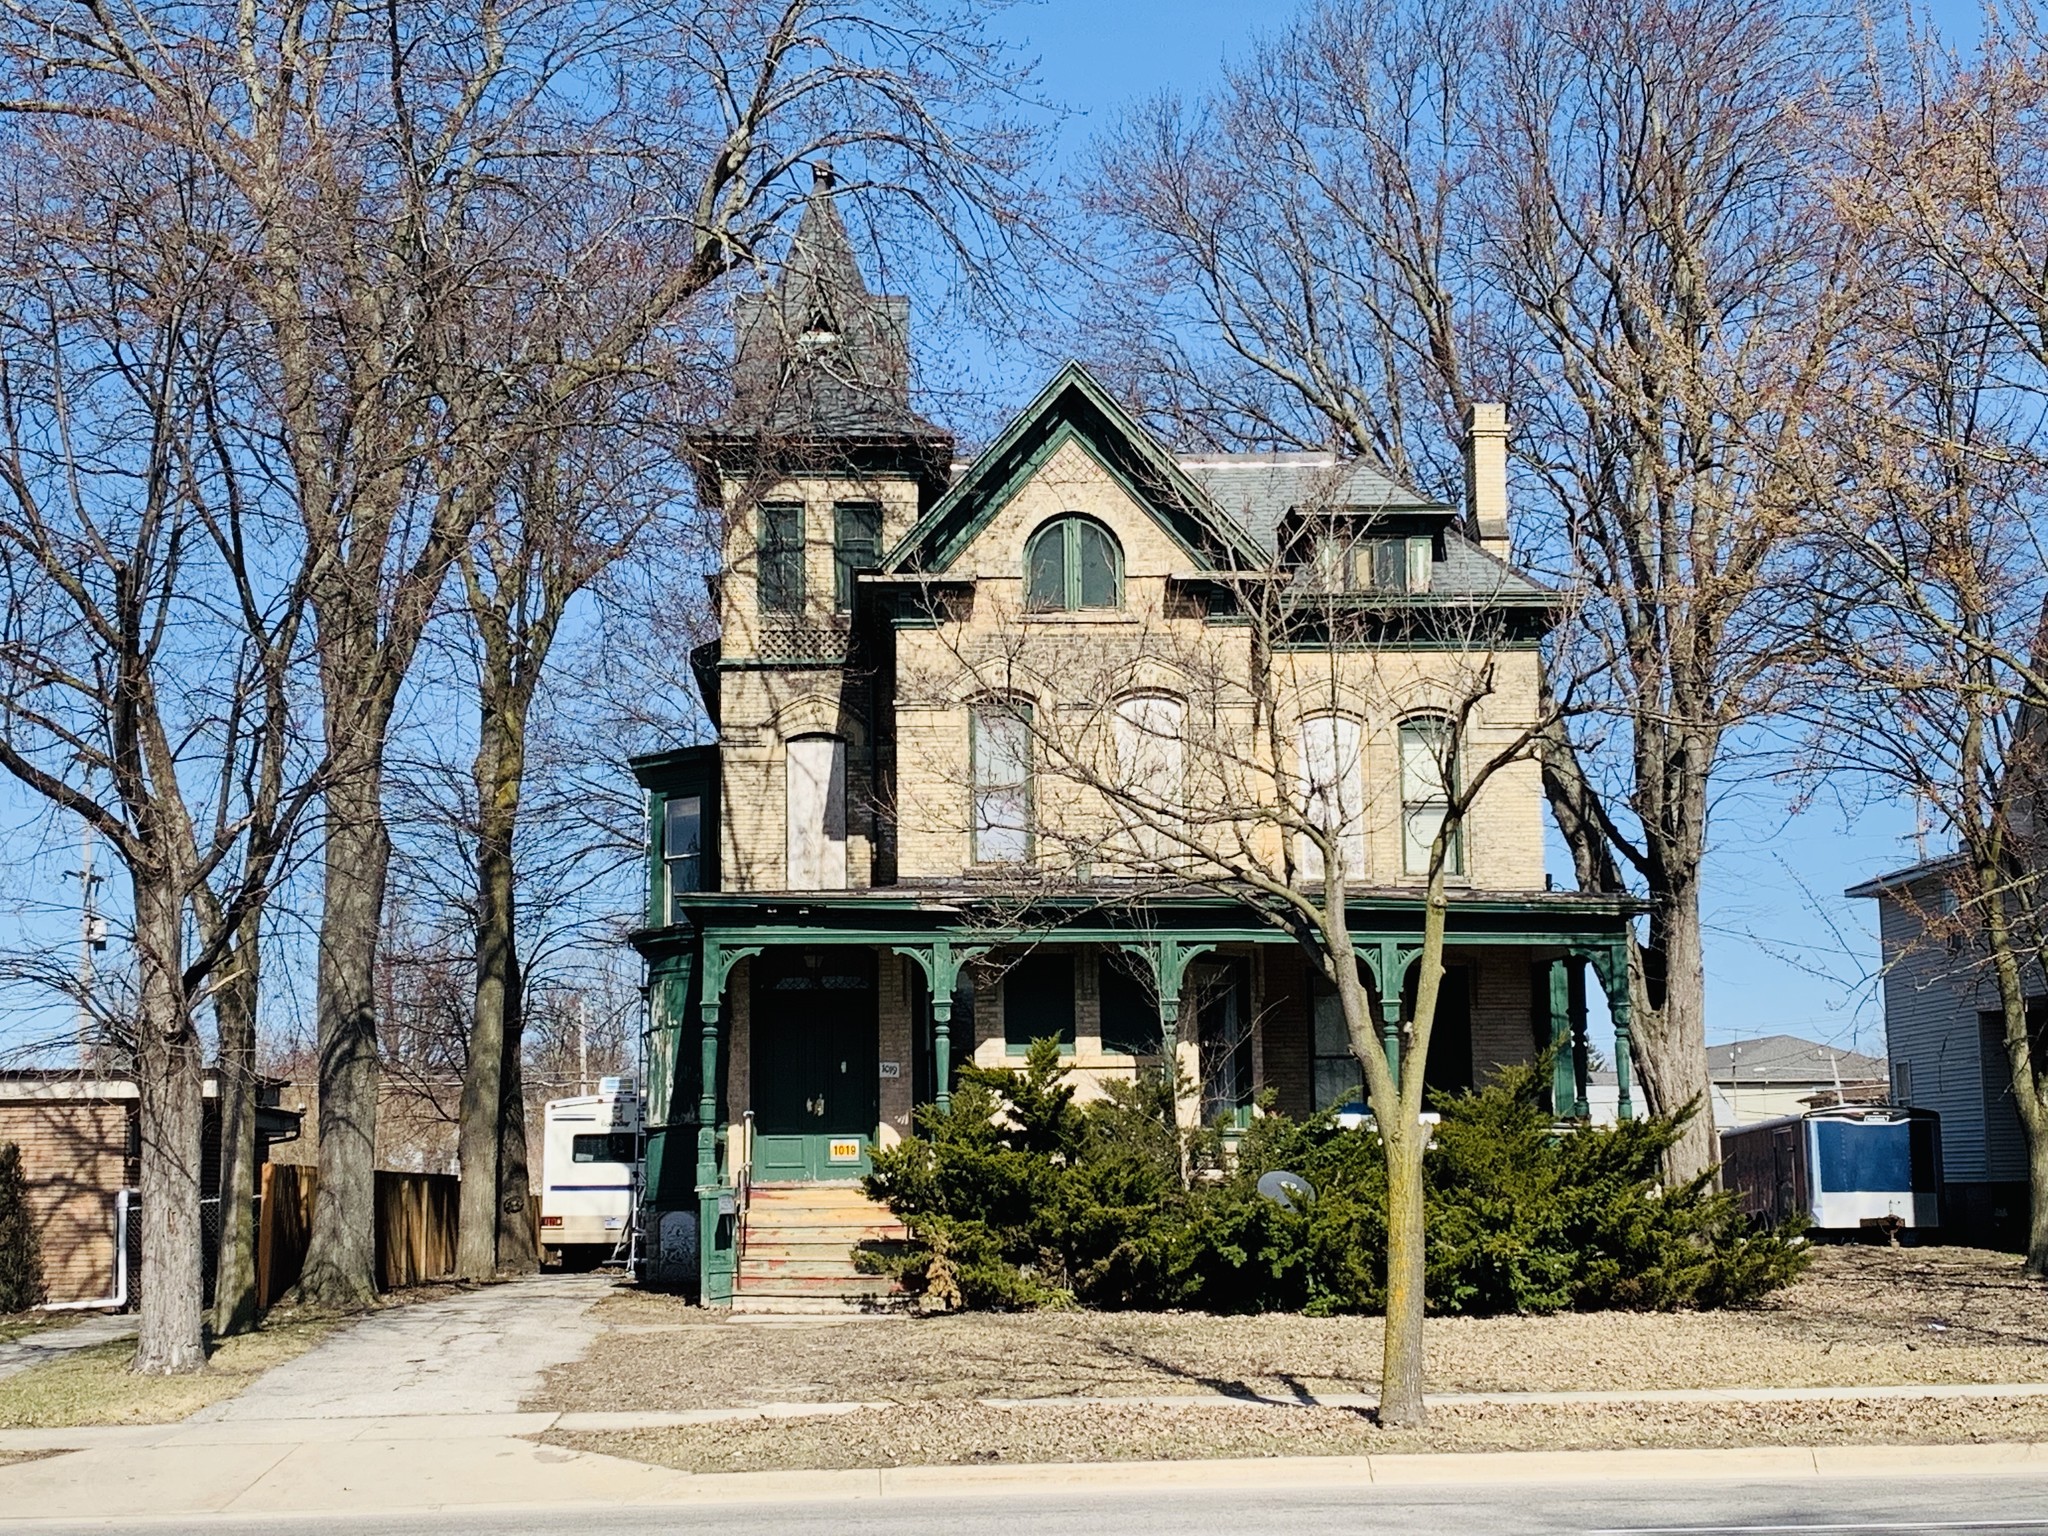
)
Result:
{"points": [[1075, 408], [1789, 1059], [1258, 490], [1912, 874]]}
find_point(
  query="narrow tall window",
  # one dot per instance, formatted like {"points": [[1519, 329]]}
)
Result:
{"points": [[1333, 792], [1073, 563], [1429, 777], [817, 813], [1149, 762], [1339, 1080], [682, 848], [1001, 813], [780, 560], [856, 547]]}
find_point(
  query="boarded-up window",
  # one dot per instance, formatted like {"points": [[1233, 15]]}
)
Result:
{"points": [[817, 814], [856, 547], [1429, 773], [1150, 767], [1002, 784], [1073, 563], [1333, 792], [781, 557]]}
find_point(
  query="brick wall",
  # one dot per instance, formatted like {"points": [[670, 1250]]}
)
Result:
{"points": [[1503, 1027], [75, 1156], [1288, 1045]]}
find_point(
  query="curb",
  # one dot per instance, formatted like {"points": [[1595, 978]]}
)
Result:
{"points": [[1135, 1477]]}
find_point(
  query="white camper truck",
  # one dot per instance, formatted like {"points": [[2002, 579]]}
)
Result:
{"points": [[590, 1174]]}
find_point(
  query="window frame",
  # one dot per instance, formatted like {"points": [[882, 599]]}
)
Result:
{"points": [[1351, 830], [1043, 960], [1414, 805], [1068, 527], [1143, 748], [1127, 973], [851, 555], [670, 860], [779, 577], [1017, 715]]}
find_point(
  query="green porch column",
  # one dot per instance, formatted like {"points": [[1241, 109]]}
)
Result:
{"points": [[1169, 959], [1612, 963], [942, 1051], [1564, 1094], [1390, 961], [1582, 1050]]}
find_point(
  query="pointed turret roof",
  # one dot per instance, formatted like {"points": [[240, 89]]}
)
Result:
{"points": [[823, 361]]}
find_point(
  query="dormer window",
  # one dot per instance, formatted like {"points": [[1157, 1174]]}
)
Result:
{"points": [[1396, 564], [1071, 564]]}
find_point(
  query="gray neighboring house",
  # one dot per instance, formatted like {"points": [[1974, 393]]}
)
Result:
{"points": [[1945, 1038]]}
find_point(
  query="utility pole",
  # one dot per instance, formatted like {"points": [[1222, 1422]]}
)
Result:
{"points": [[92, 938], [582, 1047]]}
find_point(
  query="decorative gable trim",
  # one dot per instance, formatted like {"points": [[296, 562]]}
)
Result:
{"points": [[1075, 409]]}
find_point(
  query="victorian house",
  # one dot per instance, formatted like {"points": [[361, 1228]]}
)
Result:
{"points": [[887, 864]]}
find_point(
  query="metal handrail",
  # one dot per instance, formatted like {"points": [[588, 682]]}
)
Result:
{"points": [[743, 1184]]}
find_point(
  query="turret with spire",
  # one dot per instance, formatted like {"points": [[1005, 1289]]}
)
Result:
{"points": [[822, 372]]}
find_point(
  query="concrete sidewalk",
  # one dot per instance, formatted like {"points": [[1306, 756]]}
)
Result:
{"points": [[60, 1339], [480, 1462]]}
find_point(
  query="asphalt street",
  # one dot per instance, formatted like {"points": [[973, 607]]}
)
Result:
{"points": [[1948, 1505]]}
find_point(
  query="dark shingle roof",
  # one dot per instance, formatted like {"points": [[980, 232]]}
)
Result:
{"points": [[1258, 491], [820, 357], [1789, 1059]]}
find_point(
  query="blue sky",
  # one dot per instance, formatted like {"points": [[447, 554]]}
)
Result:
{"points": [[1787, 952]]}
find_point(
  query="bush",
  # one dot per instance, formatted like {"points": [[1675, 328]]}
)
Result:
{"points": [[21, 1260], [1019, 1197]]}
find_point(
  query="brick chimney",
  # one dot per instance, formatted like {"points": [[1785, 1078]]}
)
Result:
{"points": [[1486, 477]]}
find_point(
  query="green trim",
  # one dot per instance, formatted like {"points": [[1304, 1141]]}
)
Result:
{"points": [[1184, 510]]}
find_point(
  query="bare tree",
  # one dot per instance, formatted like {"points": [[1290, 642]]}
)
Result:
{"points": [[377, 159], [1606, 214], [1930, 610], [131, 697], [1168, 757]]}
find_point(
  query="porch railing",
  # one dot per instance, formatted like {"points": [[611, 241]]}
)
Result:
{"points": [[742, 1183]]}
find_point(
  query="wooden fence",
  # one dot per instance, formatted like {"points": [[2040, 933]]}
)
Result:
{"points": [[415, 1228]]}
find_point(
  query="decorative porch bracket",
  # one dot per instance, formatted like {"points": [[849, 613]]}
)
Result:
{"points": [[1169, 959], [1388, 959], [1610, 963], [942, 961]]}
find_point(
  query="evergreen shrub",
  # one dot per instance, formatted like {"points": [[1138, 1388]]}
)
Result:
{"points": [[21, 1260], [1019, 1197]]}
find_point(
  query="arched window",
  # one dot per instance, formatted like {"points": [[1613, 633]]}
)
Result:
{"points": [[1333, 791], [1429, 778], [1071, 563]]}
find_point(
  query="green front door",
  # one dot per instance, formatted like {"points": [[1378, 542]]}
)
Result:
{"points": [[814, 1064]]}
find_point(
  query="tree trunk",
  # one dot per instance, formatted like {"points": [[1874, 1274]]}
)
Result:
{"points": [[2037, 1189], [1401, 1404], [1669, 1028], [234, 1012], [499, 767], [517, 1252], [168, 1070], [341, 1257]]}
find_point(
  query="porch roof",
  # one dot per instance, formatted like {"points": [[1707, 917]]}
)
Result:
{"points": [[958, 911]]}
